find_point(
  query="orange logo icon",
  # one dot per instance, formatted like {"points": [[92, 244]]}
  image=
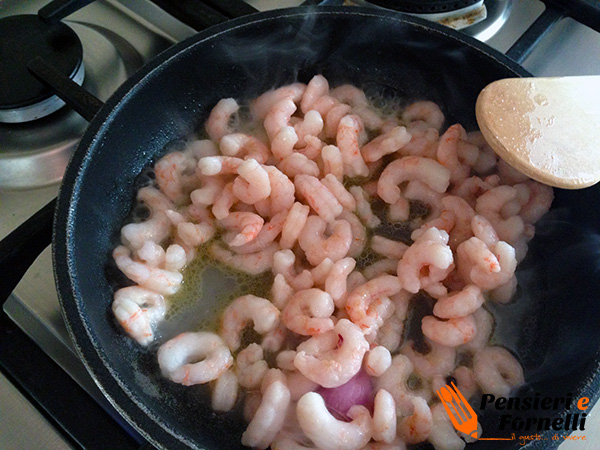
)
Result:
{"points": [[457, 407]]}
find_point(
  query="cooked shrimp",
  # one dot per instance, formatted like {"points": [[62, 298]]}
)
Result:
{"points": [[308, 312], [359, 233], [332, 358], [363, 207], [251, 366], [329, 433], [218, 122], [426, 264], [497, 371], [385, 144], [248, 224], [347, 93], [219, 165], [336, 281], [293, 224], [244, 146], [332, 161], [264, 103], [284, 262], [174, 175], [407, 168], [247, 308], [485, 267], [252, 263], [448, 153], [296, 164], [384, 266], [443, 434], [164, 282], [333, 117], [395, 380], [369, 305], [538, 202], [451, 332], [208, 192], [484, 322], [377, 360], [318, 244], [317, 87], [265, 237], [252, 184], [224, 392], [459, 304], [348, 139], [138, 310], [416, 427], [388, 247], [318, 197], [440, 360], [270, 415], [426, 111], [384, 417], [336, 187], [282, 192], [279, 116], [311, 125], [194, 358], [281, 291], [321, 272], [283, 142]]}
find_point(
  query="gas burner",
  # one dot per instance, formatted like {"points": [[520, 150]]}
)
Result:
{"points": [[22, 38]]}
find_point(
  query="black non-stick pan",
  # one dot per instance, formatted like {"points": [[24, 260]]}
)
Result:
{"points": [[556, 335]]}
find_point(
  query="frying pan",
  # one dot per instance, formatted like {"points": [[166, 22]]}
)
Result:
{"points": [[555, 334]]}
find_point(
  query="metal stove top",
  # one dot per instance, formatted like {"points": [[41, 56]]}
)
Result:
{"points": [[142, 31]]}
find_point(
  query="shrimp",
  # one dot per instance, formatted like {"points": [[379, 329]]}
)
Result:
{"points": [[317, 87], [252, 263], [385, 144], [336, 187], [363, 207], [348, 139], [311, 125], [336, 280], [451, 332], [138, 310], [448, 153], [407, 168], [383, 266], [269, 418], [332, 118], [384, 417], [318, 244], [388, 247], [251, 366], [359, 233], [261, 106], [426, 263], [332, 161], [497, 371], [427, 111], [440, 360], [369, 305], [459, 304], [174, 175], [334, 357], [244, 146], [282, 192], [219, 165], [377, 360], [252, 184], [247, 308], [207, 194], [329, 433], [318, 197], [395, 380], [484, 323], [164, 282], [308, 312], [538, 202], [279, 116], [293, 224], [443, 434], [284, 262], [156, 228], [218, 122], [194, 358], [267, 235], [248, 224], [296, 164], [416, 427], [283, 142], [224, 392]]}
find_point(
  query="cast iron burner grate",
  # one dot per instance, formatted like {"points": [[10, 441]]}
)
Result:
{"points": [[425, 6], [23, 38]]}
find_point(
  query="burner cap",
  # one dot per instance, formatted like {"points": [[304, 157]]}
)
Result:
{"points": [[22, 38], [424, 6]]}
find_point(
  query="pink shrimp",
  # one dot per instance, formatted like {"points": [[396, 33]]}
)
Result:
{"points": [[251, 263], [174, 175], [248, 224], [332, 161], [318, 245], [245, 146], [317, 87], [261, 106], [348, 139], [426, 111], [318, 197], [459, 304], [308, 312], [279, 116], [452, 332], [296, 164], [252, 185], [293, 224], [218, 122], [138, 310], [336, 187], [385, 144]]}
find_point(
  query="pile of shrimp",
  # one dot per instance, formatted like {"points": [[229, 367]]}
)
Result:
{"points": [[289, 184]]}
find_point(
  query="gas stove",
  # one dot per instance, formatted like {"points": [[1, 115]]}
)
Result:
{"points": [[119, 36]]}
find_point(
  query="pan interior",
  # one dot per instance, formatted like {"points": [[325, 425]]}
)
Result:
{"points": [[379, 51]]}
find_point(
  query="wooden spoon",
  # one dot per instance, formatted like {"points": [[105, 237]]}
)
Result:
{"points": [[547, 128]]}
